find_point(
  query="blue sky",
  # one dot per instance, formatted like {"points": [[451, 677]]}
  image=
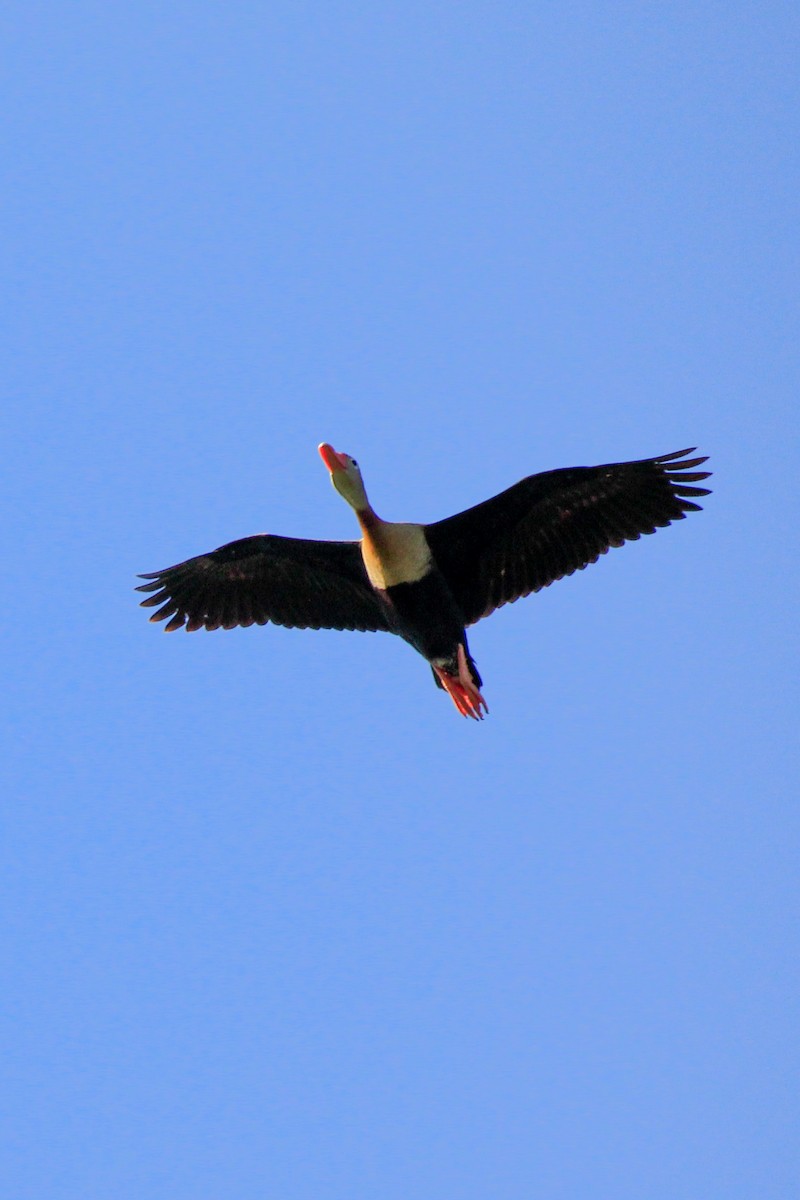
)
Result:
{"points": [[276, 921]]}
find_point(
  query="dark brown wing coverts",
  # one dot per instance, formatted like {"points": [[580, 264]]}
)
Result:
{"points": [[287, 581], [552, 524]]}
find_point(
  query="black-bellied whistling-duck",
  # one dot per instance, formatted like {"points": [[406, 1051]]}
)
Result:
{"points": [[428, 582]]}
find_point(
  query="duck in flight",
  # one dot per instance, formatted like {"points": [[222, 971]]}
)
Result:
{"points": [[427, 583]]}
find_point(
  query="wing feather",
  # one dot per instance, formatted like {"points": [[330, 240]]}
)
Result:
{"points": [[287, 581], [555, 523]]}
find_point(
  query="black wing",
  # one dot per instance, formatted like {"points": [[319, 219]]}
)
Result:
{"points": [[288, 581], [550, 525]]}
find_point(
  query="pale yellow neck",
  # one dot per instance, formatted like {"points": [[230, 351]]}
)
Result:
{"points": [[393, 552]]}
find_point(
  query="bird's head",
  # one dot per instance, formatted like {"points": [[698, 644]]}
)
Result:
{"points": [[345, 476]]}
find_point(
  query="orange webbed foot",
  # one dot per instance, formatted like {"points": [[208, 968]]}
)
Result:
{"points": [[461, 689]]}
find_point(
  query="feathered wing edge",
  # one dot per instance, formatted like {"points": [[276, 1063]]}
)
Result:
{"points": [[293, 582], [557, 522]]}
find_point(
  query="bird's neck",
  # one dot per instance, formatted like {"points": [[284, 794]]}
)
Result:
{"points": [[394, 552], [368, 519]]}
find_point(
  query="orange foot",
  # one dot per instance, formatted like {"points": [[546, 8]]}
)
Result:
{"points": [[462, 690]]}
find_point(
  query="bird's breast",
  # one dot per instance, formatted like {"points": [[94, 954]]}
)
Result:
{"points": [[395, 553]]}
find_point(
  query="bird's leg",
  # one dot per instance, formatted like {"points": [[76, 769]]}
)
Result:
{"points": [[461, 689]]}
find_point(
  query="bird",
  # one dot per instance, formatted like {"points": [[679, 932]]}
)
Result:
{"points": [[429, 583]]}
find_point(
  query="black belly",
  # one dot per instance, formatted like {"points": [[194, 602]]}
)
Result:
{"points": [[426, 615]]}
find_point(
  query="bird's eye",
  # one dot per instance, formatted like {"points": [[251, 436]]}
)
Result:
{"points": [[353, 461]]}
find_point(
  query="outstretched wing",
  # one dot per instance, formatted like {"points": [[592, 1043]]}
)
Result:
{"points": [[288, 581], [550, 525]]}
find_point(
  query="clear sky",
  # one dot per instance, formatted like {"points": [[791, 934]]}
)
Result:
{"points": [[276, 921]]}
